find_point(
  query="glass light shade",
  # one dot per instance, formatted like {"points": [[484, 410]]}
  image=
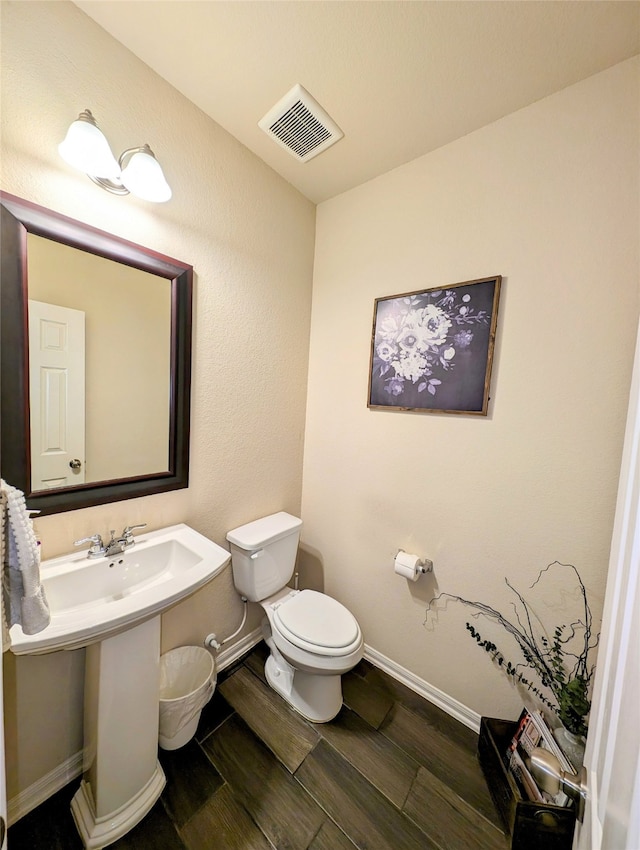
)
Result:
{"points": [[143, 177], [86, 148]]}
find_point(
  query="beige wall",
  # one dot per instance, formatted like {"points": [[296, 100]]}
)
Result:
{"points": [[548, 198], [127, 354], [249, 236]]}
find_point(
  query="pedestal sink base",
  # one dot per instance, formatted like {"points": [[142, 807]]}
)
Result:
{"points": [[112, 606], [122, 777], [96, 832]]}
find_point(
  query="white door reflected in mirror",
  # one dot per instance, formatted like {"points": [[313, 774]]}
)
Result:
{"points": [[56, 395]]}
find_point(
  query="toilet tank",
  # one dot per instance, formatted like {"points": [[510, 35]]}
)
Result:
{"points": [[263, 554]]}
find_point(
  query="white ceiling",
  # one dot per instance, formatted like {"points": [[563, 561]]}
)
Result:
{"points": [[400, 78]]}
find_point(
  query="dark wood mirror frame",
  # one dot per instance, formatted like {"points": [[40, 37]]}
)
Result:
{"points": [[20, 217]]}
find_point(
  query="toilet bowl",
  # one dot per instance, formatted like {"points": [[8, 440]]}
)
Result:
{"points": [[312, 638]]}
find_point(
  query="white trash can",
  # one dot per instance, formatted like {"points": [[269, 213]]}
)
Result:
{"points": [[187, 682]]}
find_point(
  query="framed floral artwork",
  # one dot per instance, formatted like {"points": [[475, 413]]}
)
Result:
{"points": [[432, 350]]}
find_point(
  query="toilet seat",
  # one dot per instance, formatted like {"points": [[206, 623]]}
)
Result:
{"points": [[317, 623]]}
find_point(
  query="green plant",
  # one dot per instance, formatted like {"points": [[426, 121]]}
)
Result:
{"points": [[560, 661]]}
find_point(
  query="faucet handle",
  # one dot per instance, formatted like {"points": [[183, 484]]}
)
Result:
{"points": [[131, 528], [95, 539], [97, 546], [127, 533]]}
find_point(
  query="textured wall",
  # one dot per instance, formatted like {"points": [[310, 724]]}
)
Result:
{"points": [[250, 238], [548, 198]]}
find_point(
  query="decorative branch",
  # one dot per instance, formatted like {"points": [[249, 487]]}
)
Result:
{"points": [[546, 656]]}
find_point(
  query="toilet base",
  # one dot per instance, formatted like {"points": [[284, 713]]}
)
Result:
{"points": [[317, 698]]}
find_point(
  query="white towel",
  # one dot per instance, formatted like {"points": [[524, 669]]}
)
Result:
{"points": [[24, 599], [6, 637]]}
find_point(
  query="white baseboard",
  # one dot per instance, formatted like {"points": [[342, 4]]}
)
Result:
{"points": [[451, 706], [27, 800], [45, 787], [456, 709]]}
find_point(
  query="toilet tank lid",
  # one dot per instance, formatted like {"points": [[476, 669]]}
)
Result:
{"points": [[261, 532]]}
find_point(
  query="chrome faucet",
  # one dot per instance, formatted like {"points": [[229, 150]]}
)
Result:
{"points": [[114, 546], [96, 550], [125, 541]]}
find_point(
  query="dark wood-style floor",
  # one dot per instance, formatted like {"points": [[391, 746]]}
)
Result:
{"points": [[391, 772]]}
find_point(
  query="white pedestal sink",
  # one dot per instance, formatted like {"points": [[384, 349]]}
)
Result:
{"points": [[113, 606]]}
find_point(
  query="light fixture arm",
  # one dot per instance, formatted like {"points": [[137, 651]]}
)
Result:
{"points": [[115, 186], [110, 185]]}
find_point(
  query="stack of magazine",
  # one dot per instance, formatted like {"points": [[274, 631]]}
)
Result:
{"points": [[533, 731]]}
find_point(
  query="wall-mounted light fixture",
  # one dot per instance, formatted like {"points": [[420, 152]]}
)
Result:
{"points": [[137, 170]]}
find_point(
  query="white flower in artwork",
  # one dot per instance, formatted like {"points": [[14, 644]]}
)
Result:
{"points": [[388, 328], [449, 353], [428, 325], [411, 365], [408, 338], [386, 351]]}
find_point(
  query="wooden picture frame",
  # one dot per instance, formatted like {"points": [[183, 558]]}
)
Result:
{"points": [[432, 349]]}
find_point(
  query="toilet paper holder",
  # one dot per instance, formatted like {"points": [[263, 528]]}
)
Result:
{"points": [[423, 565]]}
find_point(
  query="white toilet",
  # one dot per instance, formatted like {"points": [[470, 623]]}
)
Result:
{"points": [[313, 639]]}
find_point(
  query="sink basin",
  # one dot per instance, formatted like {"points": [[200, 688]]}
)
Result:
{"points": [[91, 599]]}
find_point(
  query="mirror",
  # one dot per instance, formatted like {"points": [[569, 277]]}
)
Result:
{"points": [[99, 367], [96, 363]]}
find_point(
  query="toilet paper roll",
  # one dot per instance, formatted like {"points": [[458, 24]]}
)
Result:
{"points": [[408, 566]]}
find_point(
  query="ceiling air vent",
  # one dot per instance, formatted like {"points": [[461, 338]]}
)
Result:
{"points": [[300, 124]]}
